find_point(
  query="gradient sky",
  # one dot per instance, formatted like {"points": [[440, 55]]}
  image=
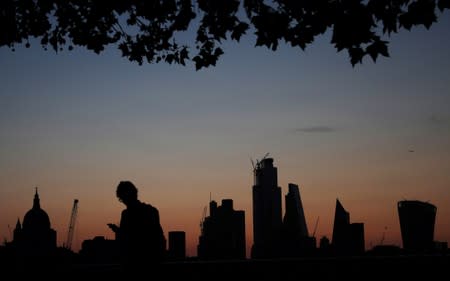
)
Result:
{"points": [[74, 124]]}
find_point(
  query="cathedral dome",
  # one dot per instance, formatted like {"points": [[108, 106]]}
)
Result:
{"points": [[36, 218]]}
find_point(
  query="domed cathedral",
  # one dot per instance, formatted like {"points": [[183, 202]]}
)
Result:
{"points": [[35, 235]]}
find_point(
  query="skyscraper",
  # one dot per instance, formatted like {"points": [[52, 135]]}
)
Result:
{"points": [[222, 233], [348, 238], [267, 217], [294, 214], [296, 241], [340, 237], [417, 221]]}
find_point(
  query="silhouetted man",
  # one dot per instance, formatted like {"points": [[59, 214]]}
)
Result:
{"points": [[140, 235]]}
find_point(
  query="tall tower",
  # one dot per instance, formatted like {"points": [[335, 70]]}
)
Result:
{"points": [[417, 220], [348, 238], [267, 218], [296, 241], [340, 238], [295, 215]]}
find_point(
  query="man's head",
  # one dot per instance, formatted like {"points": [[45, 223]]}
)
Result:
{"points": [[126, 192]]}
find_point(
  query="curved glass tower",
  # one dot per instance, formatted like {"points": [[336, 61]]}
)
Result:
{"points": [[417, 221]]}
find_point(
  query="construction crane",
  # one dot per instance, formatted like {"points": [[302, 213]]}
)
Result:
{"points": [[73, 218], [257, 165], [383, 236], [315, 228]]}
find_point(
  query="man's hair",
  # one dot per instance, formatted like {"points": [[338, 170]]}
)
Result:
{"points": [[126, 189]]}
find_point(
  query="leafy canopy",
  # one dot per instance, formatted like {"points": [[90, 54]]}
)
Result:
{"points": [[149, 30]]}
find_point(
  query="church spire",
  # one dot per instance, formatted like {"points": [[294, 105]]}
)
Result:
{"points": [[36, 204]]}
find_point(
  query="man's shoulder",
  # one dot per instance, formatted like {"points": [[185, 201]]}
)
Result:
{"points": [[149, 207]]}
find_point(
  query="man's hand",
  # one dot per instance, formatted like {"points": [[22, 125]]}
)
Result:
{"points": [[113, 227]]}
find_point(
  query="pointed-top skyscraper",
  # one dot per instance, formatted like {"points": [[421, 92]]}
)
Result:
{"points": [[348, 238], [341, 222]]}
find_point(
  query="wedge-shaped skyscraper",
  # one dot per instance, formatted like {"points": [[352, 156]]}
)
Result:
{"points": [[348, 238], [296, 241]]}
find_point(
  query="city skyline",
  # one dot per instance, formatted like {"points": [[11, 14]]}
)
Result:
{"points": [[74, 124], [229, 201]]}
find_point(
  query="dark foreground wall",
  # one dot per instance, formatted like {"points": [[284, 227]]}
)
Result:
{"points": [[367, 268], [351, 268]]}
